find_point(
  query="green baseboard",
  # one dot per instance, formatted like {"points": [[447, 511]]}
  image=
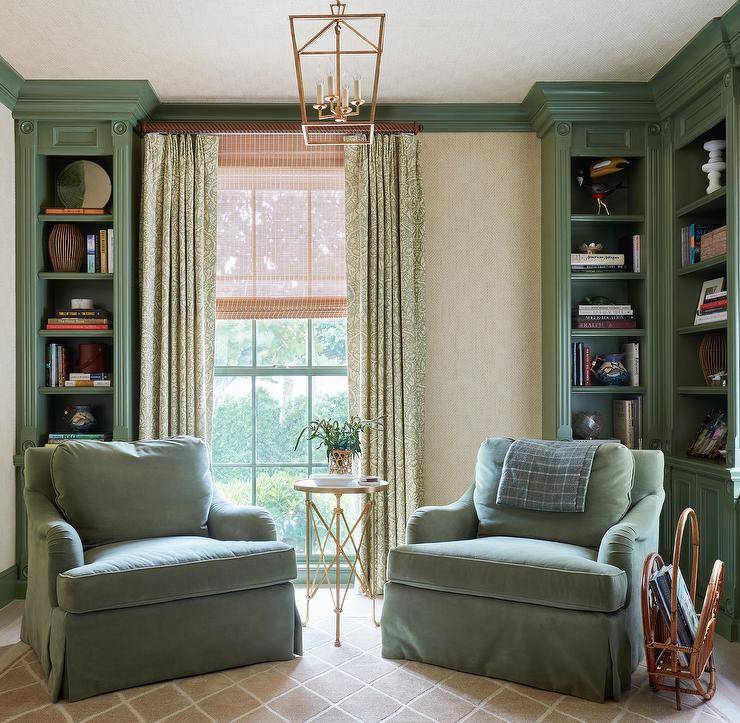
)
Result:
{"points": [[8, 579]]}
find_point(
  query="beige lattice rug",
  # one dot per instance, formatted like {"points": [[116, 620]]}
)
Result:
{"points": [[329, 684]]}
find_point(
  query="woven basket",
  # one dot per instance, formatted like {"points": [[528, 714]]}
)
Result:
{"points": [[340, 461], [713, 354], [66, 247]]}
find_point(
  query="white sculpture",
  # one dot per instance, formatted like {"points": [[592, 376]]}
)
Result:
{"points": [[715, 165]]}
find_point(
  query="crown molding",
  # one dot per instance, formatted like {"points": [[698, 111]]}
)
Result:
{"points": [[705, 58], [435, 117], [10, 85], [551, 102], [86, 99]]}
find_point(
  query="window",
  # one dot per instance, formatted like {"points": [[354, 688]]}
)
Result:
{"points": [[281, 356]]}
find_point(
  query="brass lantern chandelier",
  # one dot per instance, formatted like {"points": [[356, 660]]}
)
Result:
{"points": [[325, 47]]}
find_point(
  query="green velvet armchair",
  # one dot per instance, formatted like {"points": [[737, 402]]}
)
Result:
{"points": [[138, 571], [546, 599]]}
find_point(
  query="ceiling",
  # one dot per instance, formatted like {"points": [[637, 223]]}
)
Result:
{"points": [[435, 50]]}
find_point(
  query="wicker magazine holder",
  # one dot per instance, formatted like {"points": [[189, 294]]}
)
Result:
{"points": [[662, 648]]}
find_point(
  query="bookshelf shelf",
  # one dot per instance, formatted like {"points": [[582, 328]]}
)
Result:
{"points": [[712, 264], [73, 276], [75, 390], [607, 390], [715, 201], [710, 391], [701, 328], [76, 218], [72, 334], [607, 219], [606, 332], [607, 276]]}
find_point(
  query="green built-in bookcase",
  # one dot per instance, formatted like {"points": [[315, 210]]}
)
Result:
{"points": [[660, 128], [50, 134]]}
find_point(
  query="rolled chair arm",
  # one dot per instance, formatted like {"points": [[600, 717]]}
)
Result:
{"points": [[624, 543], [457, 521], [54, 545], [227, 521]]}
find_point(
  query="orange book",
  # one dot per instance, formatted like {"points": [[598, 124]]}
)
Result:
{"points": [[76, 211]]}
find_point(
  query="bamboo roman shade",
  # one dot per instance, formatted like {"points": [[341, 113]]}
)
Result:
{"points": [[281, 238]]}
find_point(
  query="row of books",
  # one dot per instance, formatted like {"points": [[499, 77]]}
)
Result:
{"points": [[691, 242], [611, 262], [711, 439], [100, 252], [59, 370], [581, 359], [79, 320], [56, 438], [712, 305], [604, 316], [627, 421]]}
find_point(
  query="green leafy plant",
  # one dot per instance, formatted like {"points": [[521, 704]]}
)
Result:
{"points": [[336, 435]]}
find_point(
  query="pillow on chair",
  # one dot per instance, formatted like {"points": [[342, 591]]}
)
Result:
{"points": [[114, 491], [608, 497]]}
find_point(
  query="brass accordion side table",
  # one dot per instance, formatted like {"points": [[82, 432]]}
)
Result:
{"points": [[666, 658], [347, 540]]}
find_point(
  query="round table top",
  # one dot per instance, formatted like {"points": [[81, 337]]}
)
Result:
{"points": [[341, 487]]}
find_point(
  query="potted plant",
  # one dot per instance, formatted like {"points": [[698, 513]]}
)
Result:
{"points": [[342, 440]]}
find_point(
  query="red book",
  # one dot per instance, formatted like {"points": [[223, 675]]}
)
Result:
{"points": [[77, 327], [587, 370], [709, 305]]}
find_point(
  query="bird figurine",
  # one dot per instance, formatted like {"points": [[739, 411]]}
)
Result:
{"points": [[599, 190]]}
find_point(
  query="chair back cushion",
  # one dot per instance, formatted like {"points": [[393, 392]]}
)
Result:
{"points": [[608, 497], [115, 491]]}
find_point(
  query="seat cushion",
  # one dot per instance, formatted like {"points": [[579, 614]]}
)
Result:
{"points": [[541, 572], [608, 497], [114, 491], [141, 572]]}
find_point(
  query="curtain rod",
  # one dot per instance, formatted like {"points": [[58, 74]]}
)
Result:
{"points": [[147, 126]]}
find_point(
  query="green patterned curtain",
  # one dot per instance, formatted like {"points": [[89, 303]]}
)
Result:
{"points": [[178, 284], [386, 324]]}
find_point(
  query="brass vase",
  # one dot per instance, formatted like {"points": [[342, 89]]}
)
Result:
{"points": [[340, 461]]}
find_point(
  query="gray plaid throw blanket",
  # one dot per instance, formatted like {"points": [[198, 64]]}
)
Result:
{"points": [[546, 476]]}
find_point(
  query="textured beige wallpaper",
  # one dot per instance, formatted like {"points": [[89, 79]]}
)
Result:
{"points": [[482, 194]]}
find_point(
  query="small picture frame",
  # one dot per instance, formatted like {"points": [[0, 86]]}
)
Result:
{"points": [[712, 286]]}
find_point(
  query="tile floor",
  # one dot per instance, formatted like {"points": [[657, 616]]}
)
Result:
{"points": [[339, 684]]}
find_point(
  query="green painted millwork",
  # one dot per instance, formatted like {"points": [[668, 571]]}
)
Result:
{"points": [[86, 100], [613, 103], [10, 85], [435, 117], [7, 585]]}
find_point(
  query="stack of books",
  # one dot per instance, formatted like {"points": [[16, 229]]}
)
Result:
{"points": [[79, 320], [597, 262], [580, 365], [100, 252], [711, 439], [627, 417], [57, 438], [89, 379], [57, 364], [604, 316], [713, 308], [691, 242]]}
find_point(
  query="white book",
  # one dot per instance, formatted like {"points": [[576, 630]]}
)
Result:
{"points": [[636, 253], [110, 250], [709, 318], [602, 310], [597, 259]]}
